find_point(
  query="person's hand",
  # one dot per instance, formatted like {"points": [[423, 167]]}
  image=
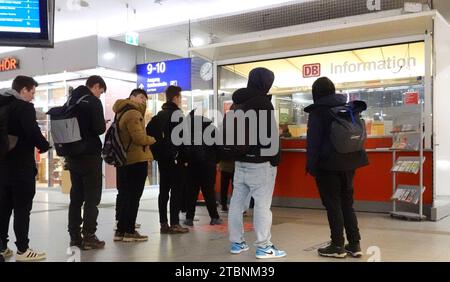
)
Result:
{"points": [[45, 151]]}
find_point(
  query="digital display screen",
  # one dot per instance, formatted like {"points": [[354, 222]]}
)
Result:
{"points": [[20, 16], [27, 23]]}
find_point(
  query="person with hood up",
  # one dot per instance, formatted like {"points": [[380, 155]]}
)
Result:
{"points": [[18, 169], [255, 170], [333, 171], [131, 177]]}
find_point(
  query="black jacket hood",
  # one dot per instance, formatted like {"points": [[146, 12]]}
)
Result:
{"points": [[261, 79], [170, 106], [79, 92], [336, 100], [243, 95]]}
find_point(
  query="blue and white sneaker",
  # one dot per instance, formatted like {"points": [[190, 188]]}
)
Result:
{"points": [[269, 252], [237, 248]]}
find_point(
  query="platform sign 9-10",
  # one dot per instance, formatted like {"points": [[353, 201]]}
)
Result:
{"points": [[157, 76]]}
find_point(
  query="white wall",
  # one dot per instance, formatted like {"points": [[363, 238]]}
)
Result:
{"points": [[71, 55], [441, 104]]}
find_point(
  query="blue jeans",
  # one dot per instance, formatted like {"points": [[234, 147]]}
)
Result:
{"points": [[256, 180]]}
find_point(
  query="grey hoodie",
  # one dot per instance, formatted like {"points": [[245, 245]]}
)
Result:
{"points": [[8, 92]]}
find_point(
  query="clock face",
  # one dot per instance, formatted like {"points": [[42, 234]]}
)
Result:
{"points": [[206, 71]]}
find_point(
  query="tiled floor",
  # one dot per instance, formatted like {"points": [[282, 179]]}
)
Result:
{"points": [[298, 231]]}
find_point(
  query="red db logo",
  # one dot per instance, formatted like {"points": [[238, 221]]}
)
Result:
{"points": [[311, 70]]}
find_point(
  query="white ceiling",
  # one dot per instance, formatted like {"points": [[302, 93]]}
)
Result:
{"points": [[112, 18]]}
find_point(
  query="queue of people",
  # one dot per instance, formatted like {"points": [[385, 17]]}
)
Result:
{"points": [[185, 169]]}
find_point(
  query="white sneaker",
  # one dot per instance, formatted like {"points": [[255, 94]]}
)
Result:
{"points": [[7, 253], [30, 255]]}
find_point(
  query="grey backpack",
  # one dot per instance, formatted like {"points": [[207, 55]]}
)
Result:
{"points": [[65, 129], [348, 130]]}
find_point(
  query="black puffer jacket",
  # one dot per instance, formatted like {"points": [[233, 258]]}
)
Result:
{"points": [[255, 97], [321, 154], [22, 124], [91, 119]]}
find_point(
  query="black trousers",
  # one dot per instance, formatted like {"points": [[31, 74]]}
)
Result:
{"points": [[17, 190], [86, 192], [225, 179], [336, 192], [170, 186], [130, 183], [202, 177]]}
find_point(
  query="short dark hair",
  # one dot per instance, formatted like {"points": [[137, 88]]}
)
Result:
{"points": [[171, 92], [137, 92], [22, 81], [96, 79]]}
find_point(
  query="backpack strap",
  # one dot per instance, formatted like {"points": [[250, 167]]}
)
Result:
{"points": [[117, 121], [70, 107]]}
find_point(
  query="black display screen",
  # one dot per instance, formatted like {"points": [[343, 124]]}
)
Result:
{"points": [[27, 23]]}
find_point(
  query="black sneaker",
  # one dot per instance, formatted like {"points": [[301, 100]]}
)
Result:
{"points": [[76, 241], [354, 250], [332, 251], [216, 221], [189, 222], [91, 242]]}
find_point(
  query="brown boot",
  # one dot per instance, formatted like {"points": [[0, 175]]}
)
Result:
{"points": [[177, 229], [165, 229], [91, 242]]}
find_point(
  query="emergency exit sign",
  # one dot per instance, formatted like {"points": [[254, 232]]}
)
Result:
{"points": [[132, 38]]}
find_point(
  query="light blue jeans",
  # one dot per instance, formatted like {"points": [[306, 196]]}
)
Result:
{"points": [[257, 181]]}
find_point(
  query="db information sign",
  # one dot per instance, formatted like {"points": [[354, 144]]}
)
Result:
{"points": [[311, 70]]}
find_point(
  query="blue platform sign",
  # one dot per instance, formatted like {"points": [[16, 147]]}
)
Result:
{"points": [[156, 77]]}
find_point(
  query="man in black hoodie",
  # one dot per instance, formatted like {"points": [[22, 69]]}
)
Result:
{"points": [[255, 170], [171, 163], [333, 171], [86, 168], [18, 169], [202, 161]]}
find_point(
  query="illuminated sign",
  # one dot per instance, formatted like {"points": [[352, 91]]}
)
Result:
{"points": [[156, 77], [8, 64], [311, 70]]}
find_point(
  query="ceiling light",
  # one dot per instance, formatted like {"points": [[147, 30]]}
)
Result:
{"points": [[109, 56], [197, 41]]}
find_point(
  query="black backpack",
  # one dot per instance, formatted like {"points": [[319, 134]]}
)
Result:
{"points": [[158, 128], [65, 129], [6, 141], [348, 130], [234, 150], [199, 153], [114, 153]]}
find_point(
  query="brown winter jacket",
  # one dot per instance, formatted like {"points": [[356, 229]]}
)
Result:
{"points": [[132, 131]]}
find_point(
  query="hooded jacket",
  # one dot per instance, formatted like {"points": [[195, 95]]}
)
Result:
{"points": [[132, 131], [255, 97], [22, 124], [90, 118], [321, 154]]}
